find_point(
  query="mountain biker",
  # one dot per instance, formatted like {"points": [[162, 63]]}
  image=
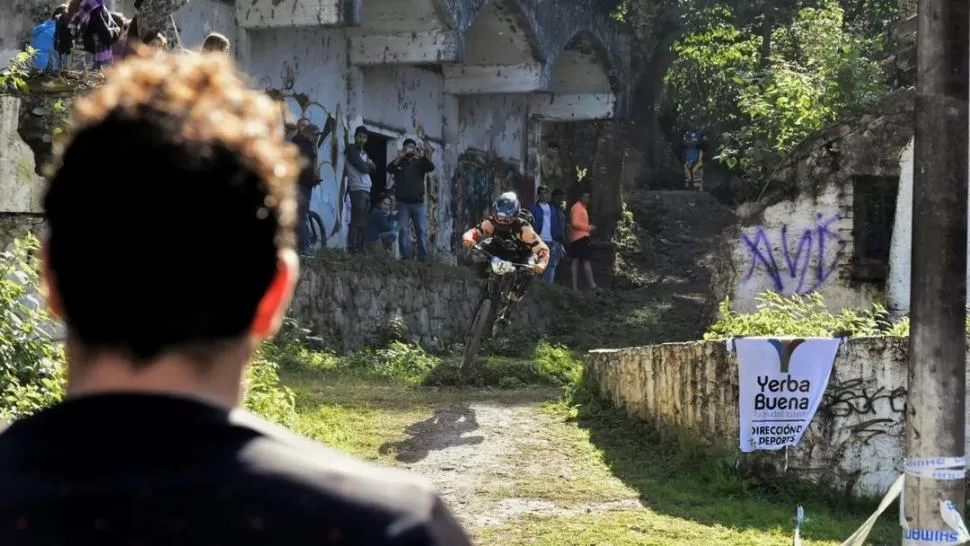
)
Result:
{"points": [[510, 237]]}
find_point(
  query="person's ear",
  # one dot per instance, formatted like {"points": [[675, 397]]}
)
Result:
{"points": [[272, 308], [49, 285]]}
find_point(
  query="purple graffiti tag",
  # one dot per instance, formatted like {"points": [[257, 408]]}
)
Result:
{"points": [[795, 263], [824, 270], [765, 258], [804, 255]]}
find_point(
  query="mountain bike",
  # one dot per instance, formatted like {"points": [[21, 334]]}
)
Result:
{"points": [[494, 303]]}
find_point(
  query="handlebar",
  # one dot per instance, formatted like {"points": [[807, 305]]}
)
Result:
{"points": [[479, 248]]}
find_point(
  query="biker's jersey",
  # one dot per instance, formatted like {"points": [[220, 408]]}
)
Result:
{"points": [[519, 234]]}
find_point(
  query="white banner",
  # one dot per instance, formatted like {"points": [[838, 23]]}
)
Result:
{"points": [[781, 382]]}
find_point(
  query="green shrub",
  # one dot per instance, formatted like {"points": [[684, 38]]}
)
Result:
{"points": [[31, 361], [549, 364], [901, 328], [266, 395], [400, 361], [779, 315]]}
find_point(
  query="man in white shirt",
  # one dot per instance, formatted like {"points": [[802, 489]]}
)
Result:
{"points": [[548, 228]]}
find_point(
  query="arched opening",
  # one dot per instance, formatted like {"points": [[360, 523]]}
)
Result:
{"points": [[500, 35], [581, 67]]}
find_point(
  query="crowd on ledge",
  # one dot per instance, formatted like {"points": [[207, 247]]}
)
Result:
{"points": [[104, 37]]}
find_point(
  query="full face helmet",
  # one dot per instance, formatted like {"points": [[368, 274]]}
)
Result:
{"points": [[505, 209]]}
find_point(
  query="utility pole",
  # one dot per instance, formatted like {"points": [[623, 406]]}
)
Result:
{"points": [[936, 407]]}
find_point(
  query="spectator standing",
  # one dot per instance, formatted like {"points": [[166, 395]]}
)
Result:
{"points": [[42, 38], [150, 445], [305, 141], [549, 229], [580, 245], [409, 168], [359, 168], [93, 24], [381, 232]]}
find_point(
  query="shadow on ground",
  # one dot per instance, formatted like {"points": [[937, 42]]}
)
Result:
{"points": [[445, 429], [681, 481]]}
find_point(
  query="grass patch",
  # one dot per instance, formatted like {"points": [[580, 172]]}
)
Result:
{"points": [[692, 488], [628, 528]]}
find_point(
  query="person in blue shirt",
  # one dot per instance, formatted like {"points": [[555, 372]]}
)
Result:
{"points": [[693, 161], [546, 224], [381, 231], [42, 39]]}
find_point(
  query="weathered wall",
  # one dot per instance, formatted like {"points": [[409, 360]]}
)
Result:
{"points": [[855, 441], [802, 236], [800, 246], [346, 300], [494, 123], [20, 187], [308, 68], [400, 97]]}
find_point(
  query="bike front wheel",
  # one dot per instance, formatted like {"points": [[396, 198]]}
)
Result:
{"points": [[476, 332]]}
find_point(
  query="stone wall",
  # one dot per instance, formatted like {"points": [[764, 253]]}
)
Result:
{"points": [[346, 301], [855, 441]]}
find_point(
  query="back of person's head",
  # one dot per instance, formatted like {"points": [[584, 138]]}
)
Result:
{"points": [[215, 43], [59, 10], [120, 19], [172, 245]]}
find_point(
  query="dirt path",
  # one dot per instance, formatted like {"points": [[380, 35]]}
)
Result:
{"points": [[488, 459]]}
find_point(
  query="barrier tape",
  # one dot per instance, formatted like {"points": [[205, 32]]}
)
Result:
{"points": [[936, 468]]}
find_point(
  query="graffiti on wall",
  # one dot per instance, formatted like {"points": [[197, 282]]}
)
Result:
{"points": [[878, 409], [795, 262], [479, 179], [325, 199]]}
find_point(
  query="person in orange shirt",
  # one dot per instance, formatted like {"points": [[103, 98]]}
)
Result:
{"points": [[580, 249], [510, 237]]}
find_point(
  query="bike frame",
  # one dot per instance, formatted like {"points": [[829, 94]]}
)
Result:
{"points": [[498, 287]]}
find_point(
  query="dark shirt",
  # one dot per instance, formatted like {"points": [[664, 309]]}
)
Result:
{"points": [[156, 470], [308, 151], [409, 178], [379, 225]]}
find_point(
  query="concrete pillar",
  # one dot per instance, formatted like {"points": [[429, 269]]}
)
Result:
{"points": [[901, 245], [533, 145], [900, 251], [448, 167], [355, 98]]}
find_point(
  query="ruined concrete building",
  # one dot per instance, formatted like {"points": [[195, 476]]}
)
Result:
{"points": [[476, 79]]}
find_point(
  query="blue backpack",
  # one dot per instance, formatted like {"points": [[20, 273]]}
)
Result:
{"points": [[42, 39]]}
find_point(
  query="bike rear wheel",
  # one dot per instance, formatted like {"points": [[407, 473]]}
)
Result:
{"points": [[476, 332]]}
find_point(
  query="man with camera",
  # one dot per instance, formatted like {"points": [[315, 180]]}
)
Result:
{"points": [[409, 168]]}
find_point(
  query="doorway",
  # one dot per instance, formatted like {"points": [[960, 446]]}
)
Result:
{"points": [[376, 149]]}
